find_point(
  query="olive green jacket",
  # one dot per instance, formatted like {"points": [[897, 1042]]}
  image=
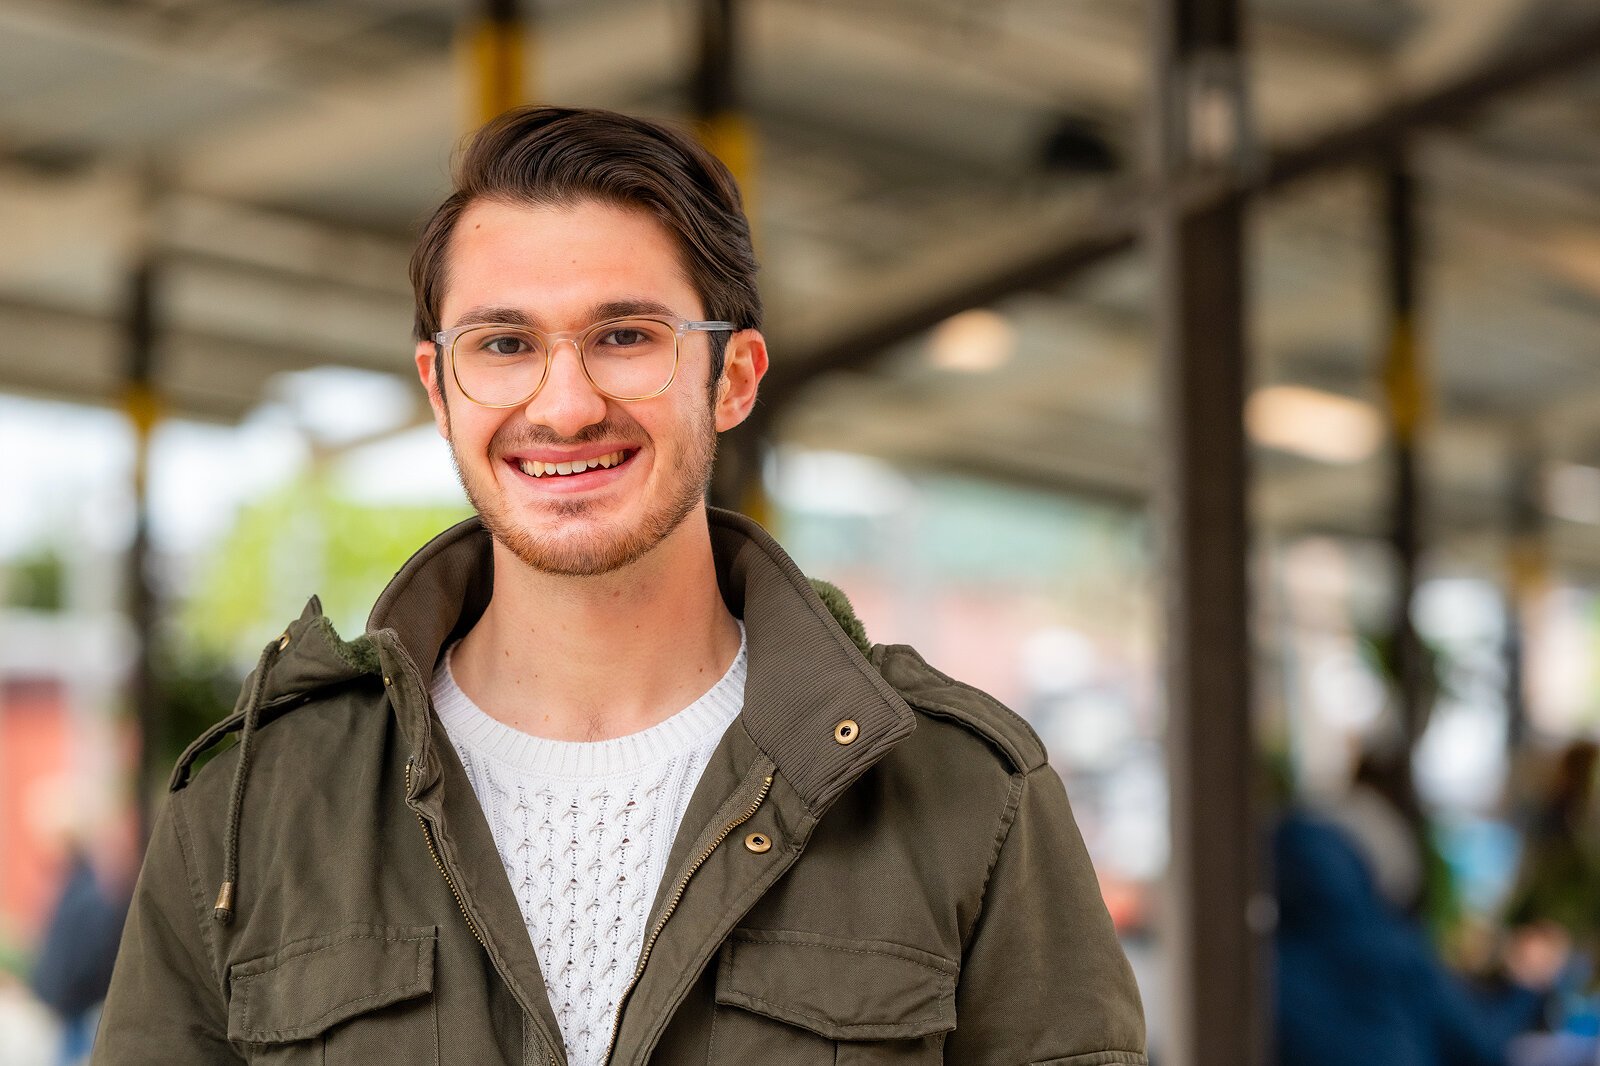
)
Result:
{"points": [[878, 866]]}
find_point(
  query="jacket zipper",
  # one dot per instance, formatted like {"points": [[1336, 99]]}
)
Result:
{"points": [[427, 835], [672, 905]]}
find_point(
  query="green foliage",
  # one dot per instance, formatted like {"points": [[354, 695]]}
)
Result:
{"points": [[15, 962], [303, 539], [195, 688], [1277, 775], [1442, 909], [36, 582], [1560, 883], [1380, 651]]}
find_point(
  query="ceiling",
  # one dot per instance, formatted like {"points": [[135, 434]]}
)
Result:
{"points": [[278, 155]]}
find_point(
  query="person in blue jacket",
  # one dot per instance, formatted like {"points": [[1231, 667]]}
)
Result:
{"points": [[73, 969], [1357, 983]]}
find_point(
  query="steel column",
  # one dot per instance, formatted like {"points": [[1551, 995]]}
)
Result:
{"points": [[1406, 395], [725, 130], [141, 404], [1528, 567], [1199, 126], [715, 92], [1407, 661]]}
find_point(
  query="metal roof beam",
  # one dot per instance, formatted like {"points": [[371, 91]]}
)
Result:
{"points": [[1118, 228]]}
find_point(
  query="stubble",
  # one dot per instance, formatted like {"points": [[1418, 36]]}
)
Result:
{"points": [[576, 551]]}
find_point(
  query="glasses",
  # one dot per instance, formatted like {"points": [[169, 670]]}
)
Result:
{"points": [[623, 358]]}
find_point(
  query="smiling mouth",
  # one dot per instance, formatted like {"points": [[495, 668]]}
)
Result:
{"points": [[536, 468]]}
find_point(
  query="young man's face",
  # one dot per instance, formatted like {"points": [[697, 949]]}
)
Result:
{"points": [[558, 267]]}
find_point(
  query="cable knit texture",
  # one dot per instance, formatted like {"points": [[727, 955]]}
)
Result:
{"points": [[583, 830]]}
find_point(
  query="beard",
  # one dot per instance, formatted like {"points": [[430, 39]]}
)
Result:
{"points": [[577, 550]]}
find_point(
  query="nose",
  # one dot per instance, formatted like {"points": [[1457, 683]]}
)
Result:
{"points": [[567, 402]]}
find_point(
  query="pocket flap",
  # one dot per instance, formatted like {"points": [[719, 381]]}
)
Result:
{"points": [[312, 984], [840, 989]]}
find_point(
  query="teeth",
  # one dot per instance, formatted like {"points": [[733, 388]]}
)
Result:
{"points": [[535, 468]]}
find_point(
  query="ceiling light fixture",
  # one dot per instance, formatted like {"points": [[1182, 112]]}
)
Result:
{"points": [[972, 342], [1318, 425]]}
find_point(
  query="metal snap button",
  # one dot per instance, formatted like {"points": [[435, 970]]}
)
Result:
{"points": [[759, 843], [846, 731]]}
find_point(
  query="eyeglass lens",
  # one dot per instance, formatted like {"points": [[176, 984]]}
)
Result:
{"points": [[629, 358]]}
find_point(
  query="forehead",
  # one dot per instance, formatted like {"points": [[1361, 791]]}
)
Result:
{"points": [[553, 261]]}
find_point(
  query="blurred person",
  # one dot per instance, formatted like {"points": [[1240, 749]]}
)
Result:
{"points": [[1382, 825], [1557, 888], [1559, 877], [1357, 981], [73, 968], [608, 779]]}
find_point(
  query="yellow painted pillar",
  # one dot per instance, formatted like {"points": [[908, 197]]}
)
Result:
{"points": [[142, 405], [1406, 390], [497, 46]]}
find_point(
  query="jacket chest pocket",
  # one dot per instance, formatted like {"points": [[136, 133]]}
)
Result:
{"points": [[806, 999], [363, 994]]}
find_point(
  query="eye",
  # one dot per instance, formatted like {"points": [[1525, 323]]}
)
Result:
{"points": [[631, 337], [624, 337], [505, 344]]}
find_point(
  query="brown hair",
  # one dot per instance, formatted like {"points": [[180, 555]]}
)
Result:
{"points": [[555, 156]]}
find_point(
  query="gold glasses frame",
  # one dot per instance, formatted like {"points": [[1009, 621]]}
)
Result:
{"points": [[446, 340]]}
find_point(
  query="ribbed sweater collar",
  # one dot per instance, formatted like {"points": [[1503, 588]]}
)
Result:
{"points": [[702, 722]]}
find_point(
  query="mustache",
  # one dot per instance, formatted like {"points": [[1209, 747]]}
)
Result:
{"points": [[512, 437]]}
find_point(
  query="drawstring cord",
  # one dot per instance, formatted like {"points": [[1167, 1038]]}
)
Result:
{"points": [[223, 910]]}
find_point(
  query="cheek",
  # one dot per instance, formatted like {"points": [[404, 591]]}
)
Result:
{"points": [[471, 433], [692, 424]]}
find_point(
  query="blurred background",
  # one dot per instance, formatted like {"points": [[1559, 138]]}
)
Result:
{"points": [[1214, 382]]}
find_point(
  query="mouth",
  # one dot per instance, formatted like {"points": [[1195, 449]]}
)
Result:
{"points": [[589, 472], [535, 468]]}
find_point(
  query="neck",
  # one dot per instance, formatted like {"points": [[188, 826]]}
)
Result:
{"points": [[593, 658]]}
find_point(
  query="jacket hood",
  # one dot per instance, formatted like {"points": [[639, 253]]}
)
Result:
{"points": [[307, 658]]}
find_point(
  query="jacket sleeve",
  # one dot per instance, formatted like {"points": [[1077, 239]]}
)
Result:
{"points": [[165, 1004], [1043, 980]]}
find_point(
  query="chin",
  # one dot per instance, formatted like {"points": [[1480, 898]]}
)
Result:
{"points": [[578, 554], [581, 544]]}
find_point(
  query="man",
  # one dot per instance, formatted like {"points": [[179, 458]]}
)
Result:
{"points": [[606, 781]]}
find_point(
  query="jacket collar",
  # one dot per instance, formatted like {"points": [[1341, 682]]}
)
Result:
{"points": [[805, 676]]}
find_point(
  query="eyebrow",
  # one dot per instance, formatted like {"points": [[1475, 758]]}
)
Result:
{"points": [[601, 312]]}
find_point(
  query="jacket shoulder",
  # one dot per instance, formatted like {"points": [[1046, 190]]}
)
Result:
{"points": [[308, 734], [317, 663], [934, 693]]}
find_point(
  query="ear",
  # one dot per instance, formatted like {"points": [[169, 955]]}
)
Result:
{"points": [[426, 362], [742, 371]]}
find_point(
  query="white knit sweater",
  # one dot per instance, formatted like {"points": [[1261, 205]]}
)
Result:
{"points": [[583, 830]]}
